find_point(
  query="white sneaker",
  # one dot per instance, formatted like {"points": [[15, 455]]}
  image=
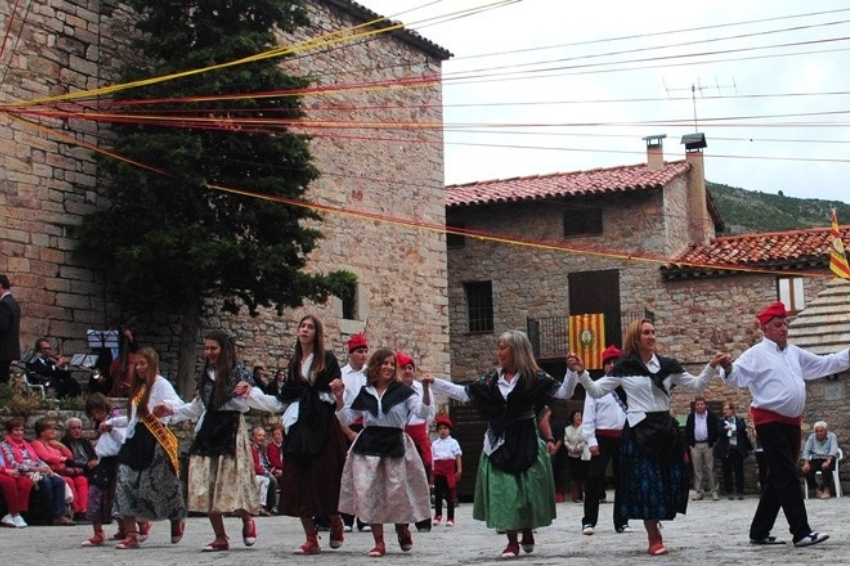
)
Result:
{"points": [[346, 529], [9, 521], [587, 530], [20, 523]]}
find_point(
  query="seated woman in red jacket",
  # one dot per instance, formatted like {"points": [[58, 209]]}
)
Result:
{"points": [[61, 461]]}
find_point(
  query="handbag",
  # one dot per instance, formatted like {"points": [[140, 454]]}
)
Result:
{"points": [[69, 493]]}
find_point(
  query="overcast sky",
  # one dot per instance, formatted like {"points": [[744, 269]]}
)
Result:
{"points": [[583, 113]]}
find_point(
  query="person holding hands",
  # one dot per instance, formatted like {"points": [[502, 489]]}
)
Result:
{"points": [[655, 473], [776, 372]]}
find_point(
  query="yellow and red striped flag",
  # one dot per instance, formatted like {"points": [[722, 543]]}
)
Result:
{"points": [[837, 257], [587, 338]]}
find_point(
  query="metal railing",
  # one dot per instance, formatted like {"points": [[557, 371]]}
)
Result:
{"points": [[550, 336]]}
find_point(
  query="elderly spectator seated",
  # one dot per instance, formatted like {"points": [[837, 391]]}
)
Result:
{"points": [[82, 451], [53, 369], [61, 461], [819, 457], [18, 454], [266, 480]]}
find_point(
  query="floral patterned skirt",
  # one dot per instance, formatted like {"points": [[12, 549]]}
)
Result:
{"points": [[651, 488], [151, 494], [515, 501], [379, 489], [223, 484]]}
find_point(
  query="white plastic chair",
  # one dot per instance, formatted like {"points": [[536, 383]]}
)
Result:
{"points": [[836, 482]]}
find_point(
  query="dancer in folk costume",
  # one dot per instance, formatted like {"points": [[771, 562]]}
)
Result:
{"points": [[515, 489], [147, 486], [383, 480], [313, 444], [221, 474], [655, 477]]}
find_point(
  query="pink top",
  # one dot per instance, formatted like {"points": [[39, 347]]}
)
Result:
{"points": [[52, 456]]}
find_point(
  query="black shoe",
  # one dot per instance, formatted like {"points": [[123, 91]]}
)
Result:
{"points": [[767, 540]]}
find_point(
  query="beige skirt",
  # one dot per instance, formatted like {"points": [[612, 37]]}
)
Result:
{"points": [[386, 490], [224, 484]]}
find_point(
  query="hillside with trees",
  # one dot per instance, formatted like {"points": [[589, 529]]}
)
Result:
{"points": [[746, 212]]}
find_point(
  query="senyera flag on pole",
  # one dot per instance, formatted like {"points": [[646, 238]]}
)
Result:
{"points": [[587, 338], [837, 257]]}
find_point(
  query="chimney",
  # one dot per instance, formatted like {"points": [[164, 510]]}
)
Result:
{"points": [[655, 152], [701, 226]]}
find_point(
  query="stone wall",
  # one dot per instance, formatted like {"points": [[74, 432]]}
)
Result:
{"points": [[47, 184]]}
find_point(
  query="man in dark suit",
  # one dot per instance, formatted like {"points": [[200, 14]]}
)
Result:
{"points": [[702, 434], [10, 329]]}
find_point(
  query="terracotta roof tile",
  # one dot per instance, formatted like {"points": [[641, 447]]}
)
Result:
{"points": [[595, 181], [775, 250]]}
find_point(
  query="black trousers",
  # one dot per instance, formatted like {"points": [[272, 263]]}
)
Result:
{"points": [[609, 449], [442, 491], [816, 465], [733, 464], [781, 443], [5, 369]]}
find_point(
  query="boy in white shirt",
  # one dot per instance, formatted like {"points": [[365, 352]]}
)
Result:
{"points": [[447, 465]]}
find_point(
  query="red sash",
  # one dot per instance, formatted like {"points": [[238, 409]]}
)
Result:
{"points": [[446, 468], [419, 434]]}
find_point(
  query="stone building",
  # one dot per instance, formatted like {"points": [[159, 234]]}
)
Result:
{"points": [[629, 242], [47, 183]]}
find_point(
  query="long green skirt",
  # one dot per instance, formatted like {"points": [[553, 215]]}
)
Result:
{"points": [[512, 502]]}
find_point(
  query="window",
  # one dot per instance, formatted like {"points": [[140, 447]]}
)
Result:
{"points": [[791, 293], [479, 300], [348, 303], [582, 221]]}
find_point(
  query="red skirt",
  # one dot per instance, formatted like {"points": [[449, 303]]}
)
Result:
{"points": [[310, 487]]}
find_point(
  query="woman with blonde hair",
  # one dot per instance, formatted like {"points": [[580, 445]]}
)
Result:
{"points": [[515, 489], [221, 471], [655, 478], [147, 484]]}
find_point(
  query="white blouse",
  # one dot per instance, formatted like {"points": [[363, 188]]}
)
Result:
{"points": [[643, 396], [396, 417], [195, 409], [161, 391]]}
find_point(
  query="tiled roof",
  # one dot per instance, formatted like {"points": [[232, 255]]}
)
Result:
{"points": [[823, 327], [773, 250], [620, 179], [409, 36]]}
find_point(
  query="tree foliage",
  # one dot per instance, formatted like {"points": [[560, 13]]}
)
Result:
{"points": [[172, 241], [169, 239]]}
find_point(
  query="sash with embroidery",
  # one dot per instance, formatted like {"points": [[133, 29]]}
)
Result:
{"points": [[161, 433]]}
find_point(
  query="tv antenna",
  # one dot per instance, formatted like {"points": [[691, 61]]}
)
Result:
{"points": [[697, 87]]}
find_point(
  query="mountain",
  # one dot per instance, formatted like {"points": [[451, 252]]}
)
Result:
{"points": [[747, 212]]}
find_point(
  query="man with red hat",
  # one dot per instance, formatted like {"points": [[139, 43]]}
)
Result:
{"points": [[417, 428], [602, 425], [775, 373], [354, 378]]}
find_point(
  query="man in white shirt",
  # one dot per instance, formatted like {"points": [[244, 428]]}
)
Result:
{"points": [[354, 378], [602, 425], [701, 429], [775, 373]]}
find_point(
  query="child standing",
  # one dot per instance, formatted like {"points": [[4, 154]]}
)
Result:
{"points": [[102, 476], [446, 454]]}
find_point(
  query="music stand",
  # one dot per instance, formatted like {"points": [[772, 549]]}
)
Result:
{"points": [[99, 339], [87, 361]]}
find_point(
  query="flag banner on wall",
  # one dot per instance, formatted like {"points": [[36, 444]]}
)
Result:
{"points": [[837, 257], [587, 338]]}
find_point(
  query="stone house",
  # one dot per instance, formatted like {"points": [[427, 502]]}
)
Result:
{"points": [[629, 241], [47, 183]]}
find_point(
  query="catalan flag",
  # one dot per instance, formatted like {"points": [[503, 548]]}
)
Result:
{"points": [[837, 257], [587, 338]]}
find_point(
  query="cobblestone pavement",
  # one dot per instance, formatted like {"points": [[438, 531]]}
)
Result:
{"points": [[711, 533]]}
